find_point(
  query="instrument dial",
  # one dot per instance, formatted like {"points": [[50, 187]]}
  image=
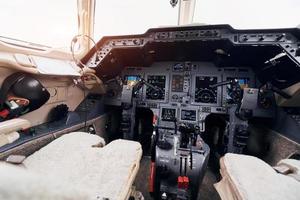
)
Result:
{"points": [[206, 96]]}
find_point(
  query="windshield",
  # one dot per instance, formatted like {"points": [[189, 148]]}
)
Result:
{"points": [[123, 17], [54, 22], [115, 17], [48, 22], [252, 14]]}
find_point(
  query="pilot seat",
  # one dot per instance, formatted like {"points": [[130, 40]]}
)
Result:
{"points": [[75, 166], [249, 178]]}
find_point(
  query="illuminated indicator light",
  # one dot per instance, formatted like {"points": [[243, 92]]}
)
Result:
{"points": [[4, 113], [183, 182], [154, 120], [186, 182], [180, 182]]}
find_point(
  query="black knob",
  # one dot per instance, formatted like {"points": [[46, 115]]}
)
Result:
{"points": [[261, 38], [280, 37]]}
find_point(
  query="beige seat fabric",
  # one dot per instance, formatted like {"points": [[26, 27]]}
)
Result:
{"points": [[106, 172], [293, 166], [17, 183], [249, 178]]}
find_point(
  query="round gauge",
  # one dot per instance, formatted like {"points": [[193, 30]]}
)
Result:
{"points": [[154, 94], [206, 96]]}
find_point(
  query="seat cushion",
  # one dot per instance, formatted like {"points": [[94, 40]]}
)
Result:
{"points": [[247, 177], [17, 183], [106, 172]]}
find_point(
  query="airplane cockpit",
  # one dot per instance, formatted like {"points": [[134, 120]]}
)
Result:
{"points": [[185, 112]]}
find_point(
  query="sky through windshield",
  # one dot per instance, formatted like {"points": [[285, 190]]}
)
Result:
{"points": [[54, 22]]}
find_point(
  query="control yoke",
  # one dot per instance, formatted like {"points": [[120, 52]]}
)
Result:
{"points": [[229, 82], [142, 82], [235, 91]]}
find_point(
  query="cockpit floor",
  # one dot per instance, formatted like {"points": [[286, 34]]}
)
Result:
{"points": [[207, 191]]}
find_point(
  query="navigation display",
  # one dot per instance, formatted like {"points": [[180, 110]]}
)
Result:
{"points": [[188, 115]]}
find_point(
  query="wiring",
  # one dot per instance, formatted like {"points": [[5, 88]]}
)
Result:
{"points": [[73, 42], [82, 66]]}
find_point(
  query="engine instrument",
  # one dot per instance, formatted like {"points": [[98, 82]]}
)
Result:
{"points": [[177, 83], [168, 114]]}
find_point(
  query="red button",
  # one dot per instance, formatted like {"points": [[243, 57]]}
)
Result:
{"points": [[4, 113], [180, 182], [186, 182]]}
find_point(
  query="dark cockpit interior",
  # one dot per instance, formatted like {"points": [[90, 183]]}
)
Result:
{"points": [[190, 95], [187, 113]]}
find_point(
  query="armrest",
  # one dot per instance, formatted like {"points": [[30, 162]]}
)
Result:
{"points": [[14, 125]]}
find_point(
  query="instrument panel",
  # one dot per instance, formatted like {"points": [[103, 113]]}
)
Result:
{"points": [[183, 90]]}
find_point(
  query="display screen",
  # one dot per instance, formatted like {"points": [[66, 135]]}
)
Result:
{"points": [[168, 114], [188, 115], [177, 83], [243, 82], [159, 82], [203, 92], [131, 80]]}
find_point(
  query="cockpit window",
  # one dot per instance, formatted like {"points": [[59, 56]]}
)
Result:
{"points": [[48, 22], [254, 14], [124, 17]]}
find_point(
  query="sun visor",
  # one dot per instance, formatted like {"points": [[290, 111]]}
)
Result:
{"points": [[58, 67]]}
